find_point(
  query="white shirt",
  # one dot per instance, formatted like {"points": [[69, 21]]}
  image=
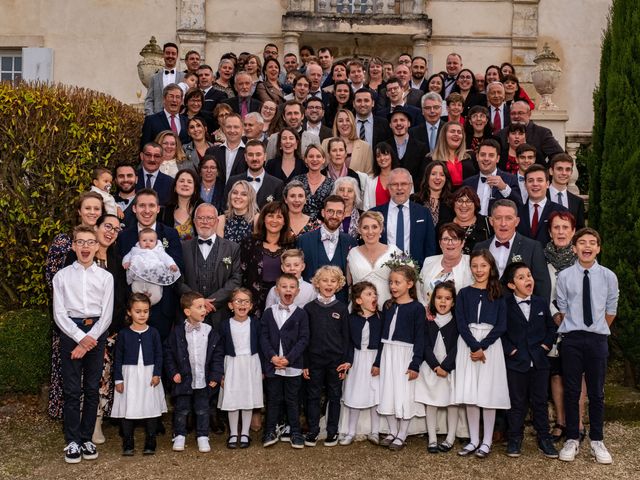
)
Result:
{"points": [[197, 341], [532, 210], [314, 128], [205, 249], [230, 157], [329, 245], [256, 185], [80, 292], [525, 308], [484, 192], [553, 193], [306, 294], [324, 300], [281, 316], [176, 119], [501, 254], [392, 224], [412, 84]]}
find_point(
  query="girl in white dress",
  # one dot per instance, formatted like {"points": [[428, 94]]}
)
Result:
{"points": [[481, 374], [435, 386], [137, 369], [362, 384], [241, 387]]}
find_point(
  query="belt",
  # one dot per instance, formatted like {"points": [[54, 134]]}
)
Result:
{"points": [[85, 324]]}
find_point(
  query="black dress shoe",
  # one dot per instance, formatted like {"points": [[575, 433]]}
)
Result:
{"points": [[547, 448], [127, 447], [433, 448], [245, 441], [514, 448], [149, 446], [232, 442]]}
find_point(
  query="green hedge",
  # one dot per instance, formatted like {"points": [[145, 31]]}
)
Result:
{"points": [[25, 350]]}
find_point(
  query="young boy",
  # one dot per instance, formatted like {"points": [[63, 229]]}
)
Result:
{"points": [[190, 80], [292, 261], [101, 181], [560, 169], [530, 335], [283, 339], [191, 354], [82, 310], [588, 301], [525, 156], [325, 357]]}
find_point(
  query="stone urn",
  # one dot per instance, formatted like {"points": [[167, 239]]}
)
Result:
{"points": [[545, 76], [152, 61]]}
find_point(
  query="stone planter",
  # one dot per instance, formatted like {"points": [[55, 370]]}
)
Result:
{"points": [[152, 61], [545, 76]]}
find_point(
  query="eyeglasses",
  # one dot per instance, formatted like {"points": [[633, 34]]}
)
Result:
{"points": [[334, 213], [149, 155], [205, 219], [241, 301], [463, 201], [464, 77], [449, 240], [111, 228], [85, 243]]}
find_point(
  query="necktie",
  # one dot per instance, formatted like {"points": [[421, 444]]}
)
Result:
{"points": [[497, 121], [251, 179], [147, 184], [535, 220], [207, 241], [560, 198], [520, 178], [586, 300], [400, 229], [243, 107], [174, 127], [189, 327], [502, 244], [432, 138], [363, 133]]}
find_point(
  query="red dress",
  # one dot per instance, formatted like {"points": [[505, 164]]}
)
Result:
{"points": [[382, 194], [455, 172]]}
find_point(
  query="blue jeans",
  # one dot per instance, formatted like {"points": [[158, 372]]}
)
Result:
{"points": [[182, 406]]}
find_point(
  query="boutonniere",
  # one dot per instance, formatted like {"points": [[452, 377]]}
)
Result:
{"points": [[516, 258], [165, 243], [270, 198], [227, 261]]}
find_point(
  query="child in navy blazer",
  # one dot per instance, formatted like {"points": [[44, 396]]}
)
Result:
{"points": [[138, 388], [530, 335], [194, 375], [284, 335]]}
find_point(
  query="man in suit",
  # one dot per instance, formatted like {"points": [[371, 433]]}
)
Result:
{"points": [[211, 265], [418, 74], [393, 98], [427, 132], [410, 152], [355, 71], [212, 96], [267, 187], [313, 114], [561, 169], [243, 103], [163, 77], [293, 116], [125, 180], [525, 156], [168, 118], [540, 137], [253, 128], [492, 183], [327, 245], [146, 208], [508, 246], [499, 115], [534, 214], [453, 67], [372, 129], [314, 75], [230, 155], [411, 96], [149, 174], [407, 225], [325, 57]]}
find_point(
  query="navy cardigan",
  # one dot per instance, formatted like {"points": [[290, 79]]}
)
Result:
{"points": [[176, 360], [409, 328], [226, 340], [450, 338], [356, 324], [128, 346], [294, 336], [492, 312]]}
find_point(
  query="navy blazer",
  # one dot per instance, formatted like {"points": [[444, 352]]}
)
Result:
{"points": [[526, 336], [294, 336], [409, 329], [491, 312], [162, 186], [450, 338], [422, 236], [508, 178], [542, 235], [176, 360], [128, 344], [156, 123], [356, 323]]}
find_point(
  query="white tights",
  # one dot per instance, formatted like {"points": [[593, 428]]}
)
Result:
{"points": [[452, 423], [489, 419], [234, 416], [398, 427], [354, 415]]}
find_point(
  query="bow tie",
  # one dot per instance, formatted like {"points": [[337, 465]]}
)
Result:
{"points": [[502, 244], [208, 241], [332, 237], [190, 327], [521, 178], [251, 179], [283, 307], [167, 72], [528, 302], [483, 179]]}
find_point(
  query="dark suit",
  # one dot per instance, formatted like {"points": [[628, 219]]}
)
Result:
{"points": [[383, 109], [212, 277], [158, 122], [234, 102], [414, 158], [527, 364], [422, 235], [510, 180], [270, 186], [505, 116], [381, 131], [576, 207], [421, 133], [162, 185], [212, 98], [540, 137], [414, 97], [542, 234], [220, 153], [472, 100], [129, 216]]}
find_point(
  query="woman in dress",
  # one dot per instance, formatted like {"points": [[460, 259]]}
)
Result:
{"points": [[466, 206], [477, 128], [269, 89], [316, 185], [359, 154], [450, 148], [253, 67], [173, 157], [89, 208], [376, 192], [193, 103], [226, 68], [337, 167], [374, 74], [435, 83], [260, 253], [242, 210], [340, 99], [287, 163], [516, 135], [295, 196], [220, 113], [513, 91], [211, 185], [185, 197], [347, 189], [466, 86], [492, 74], [367, 262], [268, 112], [199, 144], [435, 192]]}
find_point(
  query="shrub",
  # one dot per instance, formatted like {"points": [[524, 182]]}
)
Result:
{"points": [[51, 137], [25, 350]]}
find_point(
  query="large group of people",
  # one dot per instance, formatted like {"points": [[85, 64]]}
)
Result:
{"points": [[389, 240]]}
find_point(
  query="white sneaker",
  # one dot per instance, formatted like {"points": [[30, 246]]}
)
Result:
{"points": [[600, 452], [178, 443], [346, 440], [203, 444], [569, 451]]}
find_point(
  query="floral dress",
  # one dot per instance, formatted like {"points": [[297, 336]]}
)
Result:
{"points": [[236, 228], [315, 201]]}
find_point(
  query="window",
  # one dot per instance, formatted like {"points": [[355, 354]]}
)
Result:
{"points": [[10, 65], [354, 6]]}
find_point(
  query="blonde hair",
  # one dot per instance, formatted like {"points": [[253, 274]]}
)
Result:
{"points": [[377, 216], [352, 120], [332, 271], [441, 152], [292, 253], [252, 208], [180, 155]]}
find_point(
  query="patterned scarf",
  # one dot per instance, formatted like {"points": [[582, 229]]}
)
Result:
{"points": [[560, 258]]}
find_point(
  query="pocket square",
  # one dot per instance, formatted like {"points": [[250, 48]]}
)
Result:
{"points": [[420, 221], [540, 314]]}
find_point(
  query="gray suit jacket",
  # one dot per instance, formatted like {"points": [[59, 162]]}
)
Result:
{"points": [[153, 100]]}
